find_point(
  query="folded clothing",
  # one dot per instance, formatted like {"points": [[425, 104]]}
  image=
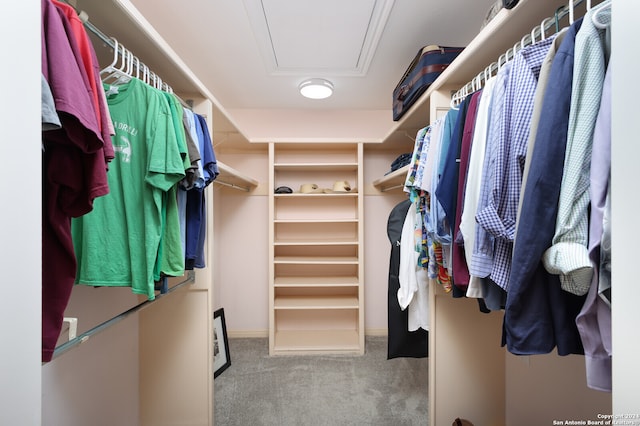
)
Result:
{"points": [[401, 161]]}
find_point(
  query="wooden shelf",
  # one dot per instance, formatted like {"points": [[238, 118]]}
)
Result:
{"points": [[316, 282], [394, 180], [308, 302], [304, 167], [304, 242], [320, 194], [296, 342], [231, 177], [345, 220], [317, 260]]}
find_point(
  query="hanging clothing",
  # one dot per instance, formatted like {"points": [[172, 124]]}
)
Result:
{"points": [[445, 189], [481, 261], [400, 342], [196, 208], [170, 261], [73, 168], [538, 314], [88, 62], [459, 262], [472, 186], [435, 234], [50, 119], [568, 256], [192, 174], [147, 165], [413, 292], [543, 79], [498, 217], [408, 261], [448, 192], [594, 319]]}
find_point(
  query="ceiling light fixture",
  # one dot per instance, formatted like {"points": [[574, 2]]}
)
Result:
{"points": [[316, 88]]}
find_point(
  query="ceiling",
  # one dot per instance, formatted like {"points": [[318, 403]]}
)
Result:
{"points": [[252, 54]]}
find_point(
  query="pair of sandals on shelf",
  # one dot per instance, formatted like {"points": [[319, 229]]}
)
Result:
{"points": [[341, 186]]}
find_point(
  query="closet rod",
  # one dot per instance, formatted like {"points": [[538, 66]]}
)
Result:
{"points": [[476, 83], [109, 41], [65, 347], [389, 188], [231, 185]]}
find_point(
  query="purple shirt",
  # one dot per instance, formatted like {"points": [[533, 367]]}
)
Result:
{"points": [[459, 264], [594, 320], [74, 171]]}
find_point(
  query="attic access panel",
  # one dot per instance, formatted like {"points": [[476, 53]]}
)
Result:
{"points": [[333, 37]]}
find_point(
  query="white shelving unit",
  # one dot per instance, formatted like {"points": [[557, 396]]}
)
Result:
{"points": [[316, 272]]}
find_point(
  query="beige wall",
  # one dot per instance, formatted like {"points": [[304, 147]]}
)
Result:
{"points": [[241, 283], [544, 388], [85, 384]]}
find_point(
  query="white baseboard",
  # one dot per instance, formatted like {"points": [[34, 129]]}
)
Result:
{"points": [[376, 332], [243, 334]]}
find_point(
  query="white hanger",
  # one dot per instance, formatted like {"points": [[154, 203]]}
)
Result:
{"points": [[597, 10], [145, 73], [111, 67], [111, 74], [543, 27], [570, 12], [500, 60], [136, 65], [128, 72], [523, 41], [515, 49], [533, 35], [454, 101], [489, 70]]}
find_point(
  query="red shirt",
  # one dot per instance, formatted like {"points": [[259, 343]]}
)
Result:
{"points": [[74, 170]]}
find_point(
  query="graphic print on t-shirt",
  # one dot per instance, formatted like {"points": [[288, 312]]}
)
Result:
{"points": [[123, 146]]}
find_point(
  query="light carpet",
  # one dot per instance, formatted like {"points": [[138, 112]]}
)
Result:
{"points": [[260, 390]]}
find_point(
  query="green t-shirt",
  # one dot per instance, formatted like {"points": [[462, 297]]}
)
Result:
{"points": [[170, 259], [117, 243]]}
